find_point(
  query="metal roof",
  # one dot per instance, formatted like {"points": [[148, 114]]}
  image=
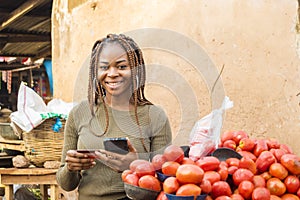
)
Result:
{"points": [[25, 28]]}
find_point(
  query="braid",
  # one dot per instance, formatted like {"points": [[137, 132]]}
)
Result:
{"points": [[138, 74]]}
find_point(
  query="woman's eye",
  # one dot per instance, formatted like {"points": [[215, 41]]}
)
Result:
{"points": [[122, 67], [103, 67]]}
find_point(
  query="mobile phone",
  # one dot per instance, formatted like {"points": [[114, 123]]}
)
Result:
{"points": [[116, 145], [89, 152]]}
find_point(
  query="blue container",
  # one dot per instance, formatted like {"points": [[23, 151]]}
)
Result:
{"points": [[162, 177], [174, 197]]}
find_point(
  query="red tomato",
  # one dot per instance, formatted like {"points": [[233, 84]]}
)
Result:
{"points": [[233, 162], [189, 173], [229, 144], [266, 175], [232, 169], [291, 162], [247, 163], [286, 149], [170, 185], [224, 197], [237, 197], [245, 189], [298, 192], [274, 197], [264, 161], [289, 197], [292, 183], [132, 179], [276, 186], [170, 168], [261, 145], [149, 182], [205, 186], [223, 173], [136, 163], [227, 135], [261, 193], [242, 175], [278, 170], [248, 154], [246, 144], [187, 160], [158, 160], [188, 190], [238, 135], [125, 173], [273, 143], [174, 153], [258, 181], [220, 188], [162, 196], [208, 163], [278, 153], [145, 169], [212, 176]]}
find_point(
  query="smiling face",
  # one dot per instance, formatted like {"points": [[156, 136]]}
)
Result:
{"points": [[114, 71]]}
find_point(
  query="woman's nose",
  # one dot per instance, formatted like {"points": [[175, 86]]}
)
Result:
{"points": [[112, 72]]}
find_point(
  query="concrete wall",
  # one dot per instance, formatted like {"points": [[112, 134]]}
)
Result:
{"points": [[186, 44]]}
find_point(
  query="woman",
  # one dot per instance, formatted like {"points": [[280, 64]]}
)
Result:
{"points": [[116, 107]]}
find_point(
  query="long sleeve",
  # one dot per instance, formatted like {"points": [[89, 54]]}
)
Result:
{"points": [[66, 179]]}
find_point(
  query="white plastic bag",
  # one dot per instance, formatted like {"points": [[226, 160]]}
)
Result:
{"points": [[205, 135]]}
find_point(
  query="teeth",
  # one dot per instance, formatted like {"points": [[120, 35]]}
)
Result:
{"points": [[113, 84]]}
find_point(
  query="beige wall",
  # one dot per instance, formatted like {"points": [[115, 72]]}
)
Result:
{"points": [[255, 41]]}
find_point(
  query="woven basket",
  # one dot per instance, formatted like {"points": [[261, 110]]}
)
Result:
{"points": [[43, 144]]}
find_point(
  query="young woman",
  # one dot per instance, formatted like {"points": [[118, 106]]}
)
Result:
{"points": [[116, 107]]}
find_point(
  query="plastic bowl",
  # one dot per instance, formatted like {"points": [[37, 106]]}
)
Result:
{"points": [[174, 197], [224, 153], [137, 193], [162, 177]]}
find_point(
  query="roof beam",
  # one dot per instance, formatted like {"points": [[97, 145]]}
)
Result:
{"points": [[17, 39], [20, 11]]}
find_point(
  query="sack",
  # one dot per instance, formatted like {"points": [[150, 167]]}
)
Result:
{"points": [[205, 135]]}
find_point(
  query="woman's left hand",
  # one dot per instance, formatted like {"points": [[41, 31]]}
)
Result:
{"points": [[117, 162]]}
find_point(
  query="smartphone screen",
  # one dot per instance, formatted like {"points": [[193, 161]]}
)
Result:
{"points": [[116, 145]]}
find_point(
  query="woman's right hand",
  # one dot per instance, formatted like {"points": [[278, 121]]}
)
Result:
{"points": [[79, 161]]}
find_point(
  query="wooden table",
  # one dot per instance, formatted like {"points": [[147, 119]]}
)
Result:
{"points": [[40, 176]]}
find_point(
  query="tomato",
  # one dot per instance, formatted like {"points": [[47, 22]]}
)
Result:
{"points": [[291, 162], [241, 175], [278, 153], [223, 164], [223, 173], [189, 173], [264, 160], [188, 190], [261, 193], [212, 176], [258, 181], [232, 169], [174, 153], [233, 162], [229, 144], [220, 188], [266, 175], [136, 163], [289, 197], [248, 163], [292, 183], [274, 197], [224, 197], [145, 169], [245, 189], [278, 170], [205, 186], [149, 182], [238, 135], [286, 149], [170, 168], [236, 197], [227, 135], [208, 163], [273, 143], [125, 173], [162, 196], [276, 186], [132, 179], [298, 192], [158, 160], [248, 154], [261, 145], [170, 185], [246, 144], [187, 160]]}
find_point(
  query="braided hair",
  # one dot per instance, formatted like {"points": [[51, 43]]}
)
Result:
{"points": [[96, 91]]}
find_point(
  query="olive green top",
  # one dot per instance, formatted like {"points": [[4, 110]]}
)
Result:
{"points": [[101, 182]]}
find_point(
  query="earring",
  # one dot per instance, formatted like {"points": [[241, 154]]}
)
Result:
{"points": [[137, 82]]}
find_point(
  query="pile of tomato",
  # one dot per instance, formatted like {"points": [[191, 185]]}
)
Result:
{"points": [[267, 170]]}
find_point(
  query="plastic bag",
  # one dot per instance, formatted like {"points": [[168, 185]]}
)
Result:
{"points": [[205, 135]]}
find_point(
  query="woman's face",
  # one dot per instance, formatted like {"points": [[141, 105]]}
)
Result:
{"points": [[114, 71]]}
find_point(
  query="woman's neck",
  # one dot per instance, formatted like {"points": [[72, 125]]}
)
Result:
{"points": [[118, 103]]}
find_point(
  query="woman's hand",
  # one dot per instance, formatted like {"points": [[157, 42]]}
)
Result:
{"points": [[117, 162], [79, 161]]}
